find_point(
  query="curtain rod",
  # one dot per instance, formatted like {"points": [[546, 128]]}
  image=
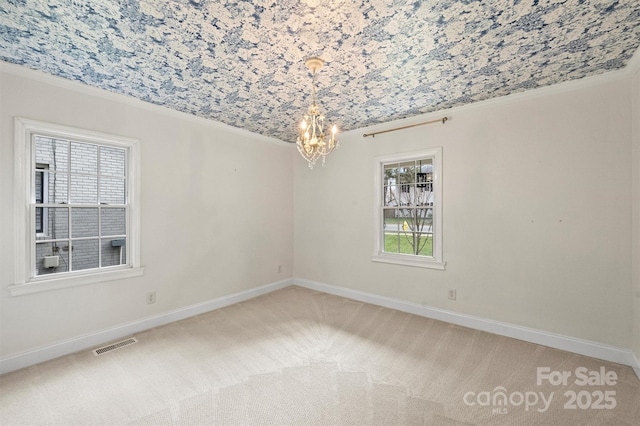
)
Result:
{"points": [[443, 120]]}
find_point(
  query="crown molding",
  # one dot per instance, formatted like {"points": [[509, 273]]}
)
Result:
{"points": [[79, 87]]}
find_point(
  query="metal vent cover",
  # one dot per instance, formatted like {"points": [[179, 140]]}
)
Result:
{"points": [[114, 346]]}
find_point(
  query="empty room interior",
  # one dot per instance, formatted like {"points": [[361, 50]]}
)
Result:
{"points": [[319, 212]]}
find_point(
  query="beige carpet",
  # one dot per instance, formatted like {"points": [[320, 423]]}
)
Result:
{"points": [[297, 356]]}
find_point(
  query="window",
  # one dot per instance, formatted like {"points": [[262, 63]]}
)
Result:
{"points": [[77, 214], [408, 209]]}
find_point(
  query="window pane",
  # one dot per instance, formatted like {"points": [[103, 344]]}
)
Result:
{"points": [[421, 179], [84, 189], [112, 161], [391, 241], [407, 172], [424, 220], [84, 158], [390, 174], [390, 195], [84, 222], [390, 221], [50, 187], [425, 165], [53, 153], [49, 250], [408, 242], [404, 198], [39, 187], [113, 221], [409, 220], [405, 219], [414, 195], [397, 219], [114, 252], [401, 242], [39, 221], [112, 191], [425, 244], [85, 254], [52, 223], [424, 195]]}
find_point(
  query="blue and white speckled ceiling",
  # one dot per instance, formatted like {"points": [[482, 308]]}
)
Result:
{"points": [[242, 62]]}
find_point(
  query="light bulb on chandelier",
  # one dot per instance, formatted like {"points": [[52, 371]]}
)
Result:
{"points": [[312, 143]]}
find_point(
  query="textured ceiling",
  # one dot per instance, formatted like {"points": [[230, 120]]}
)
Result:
{"points": [[242, 62]]}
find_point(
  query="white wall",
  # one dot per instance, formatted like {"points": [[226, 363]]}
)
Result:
{"points": [[216, 212], [537, 212]]}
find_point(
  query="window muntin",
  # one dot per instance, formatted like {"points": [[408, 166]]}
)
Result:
{"points": [[408, 209]]}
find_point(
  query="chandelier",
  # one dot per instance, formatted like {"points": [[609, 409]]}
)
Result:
{"points": [[312, 142]]}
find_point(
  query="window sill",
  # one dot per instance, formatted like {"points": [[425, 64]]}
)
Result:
{"points": [[408, 260], [40, 284]]}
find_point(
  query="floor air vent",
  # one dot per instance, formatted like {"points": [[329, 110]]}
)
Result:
{"points": [[114, 346]]}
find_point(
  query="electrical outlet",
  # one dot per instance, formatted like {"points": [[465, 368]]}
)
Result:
{"points": [[452, 294], [151, 297]]}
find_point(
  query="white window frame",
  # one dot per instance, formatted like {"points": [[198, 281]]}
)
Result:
{"points": [[379, 255], [24, 216]]}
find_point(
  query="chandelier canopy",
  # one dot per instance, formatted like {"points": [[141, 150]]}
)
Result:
{"points": [[312, 142]]}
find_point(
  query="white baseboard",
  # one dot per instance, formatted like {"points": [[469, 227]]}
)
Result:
{"points": [[557, 341], [571, 344], [635, 364], [26, 359]]}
